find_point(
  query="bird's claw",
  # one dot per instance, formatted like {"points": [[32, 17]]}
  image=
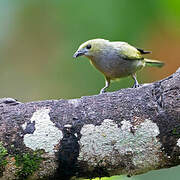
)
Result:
{"points": [[136, 85], [102, 91]]}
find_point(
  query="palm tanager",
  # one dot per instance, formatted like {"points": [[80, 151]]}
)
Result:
{"points": [[115, 59]]}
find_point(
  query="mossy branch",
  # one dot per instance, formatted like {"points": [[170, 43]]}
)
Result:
{"points": [[130, 131]]}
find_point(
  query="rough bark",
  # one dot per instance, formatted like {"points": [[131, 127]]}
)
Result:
{"points": [[130, 132]]}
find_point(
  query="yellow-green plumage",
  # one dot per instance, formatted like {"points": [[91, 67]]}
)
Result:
{"points": [[115, 59]]}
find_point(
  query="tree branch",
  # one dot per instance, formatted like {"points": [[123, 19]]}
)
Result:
{"points": [[130, 131]]}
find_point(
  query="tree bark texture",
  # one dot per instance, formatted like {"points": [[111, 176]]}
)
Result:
{"points": [[130, 131]]}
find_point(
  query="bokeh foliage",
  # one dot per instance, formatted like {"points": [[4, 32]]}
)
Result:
{"points": [[38, 39]]}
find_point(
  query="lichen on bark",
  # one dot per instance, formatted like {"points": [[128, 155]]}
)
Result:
{"points": [[3, 161]]}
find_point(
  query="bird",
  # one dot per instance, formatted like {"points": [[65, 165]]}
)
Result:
{"points": [[115, 59]]}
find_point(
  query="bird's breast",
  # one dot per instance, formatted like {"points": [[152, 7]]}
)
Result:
{"points": [[117, 67]]}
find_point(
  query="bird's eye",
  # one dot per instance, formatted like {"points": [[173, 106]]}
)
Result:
{"points": [[88, 46]]}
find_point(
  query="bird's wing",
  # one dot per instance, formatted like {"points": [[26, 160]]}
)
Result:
{"points": [[127, 51]]}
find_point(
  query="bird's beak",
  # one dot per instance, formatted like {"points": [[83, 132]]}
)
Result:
{"points": [[78, 53]]}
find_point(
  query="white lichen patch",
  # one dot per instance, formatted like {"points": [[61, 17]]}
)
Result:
{"points": [[178, 142], [108, 144], [24, 125], [46, 135], [126, 125]]}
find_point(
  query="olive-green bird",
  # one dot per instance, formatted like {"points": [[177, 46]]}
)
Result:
{"points": [[115, 59]]}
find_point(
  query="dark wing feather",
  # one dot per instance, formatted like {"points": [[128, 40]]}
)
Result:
{"points": [[142, 51]]}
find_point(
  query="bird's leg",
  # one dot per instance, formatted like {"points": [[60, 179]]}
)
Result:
{"points": [[103, 90], [136, 84]]}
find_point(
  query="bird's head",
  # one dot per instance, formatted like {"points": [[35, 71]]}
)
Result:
{"points": [[91, 48]]}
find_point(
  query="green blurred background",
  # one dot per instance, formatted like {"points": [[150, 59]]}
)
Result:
{"points": [[38, 39]]}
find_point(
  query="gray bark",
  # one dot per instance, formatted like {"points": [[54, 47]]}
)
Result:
{"points": [[130, 131]]}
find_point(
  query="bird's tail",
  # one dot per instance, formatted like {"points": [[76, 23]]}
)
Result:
{"points": [[153, 63]]}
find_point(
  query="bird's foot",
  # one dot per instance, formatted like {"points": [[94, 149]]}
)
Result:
{"points": [[136, 85], [102, 91]]}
